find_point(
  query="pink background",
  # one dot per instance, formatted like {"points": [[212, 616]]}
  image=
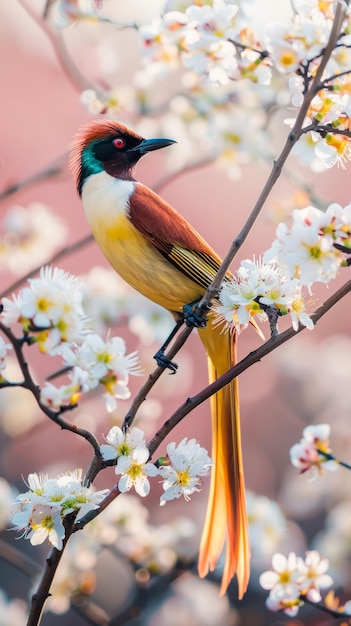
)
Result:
{"points": [[41, 111]]}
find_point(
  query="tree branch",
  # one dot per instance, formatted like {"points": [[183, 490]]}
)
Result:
{"points": [[292, 139], [28, 383], [22, 562], [74, 247], [254, 357], [54, 169], [83, 521], [154, 376], [190, 167], [39, 598], [69, 68], [238, 242]]}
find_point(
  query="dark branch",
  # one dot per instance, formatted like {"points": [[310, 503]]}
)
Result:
{"points": [[74, 247], [51, 171], [28, 383], [254, 357]]}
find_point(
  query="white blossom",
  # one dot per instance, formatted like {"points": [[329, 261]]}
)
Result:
{"points": [[39, 512], [50, 309], [122, 443], [293, 578], [311, 453], [188, 462], [105, 362], [134, 470]]}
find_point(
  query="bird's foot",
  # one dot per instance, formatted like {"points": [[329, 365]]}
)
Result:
{"points": [[163, 361], [193, 319]]}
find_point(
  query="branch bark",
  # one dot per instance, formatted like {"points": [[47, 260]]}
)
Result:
{"points": [[254, 357], [28, 383]]}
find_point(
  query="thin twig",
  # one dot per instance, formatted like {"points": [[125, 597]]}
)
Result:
{"points": [[263, 54], [171, 176], [77, 79], [46, 10], [22, 562], [154, 376], [52, 563], [88, 517], [54, 169], [32, 568], [323, 608], [329, 129], [331, 457], [324, 83], [74, 247], [28, 383]]}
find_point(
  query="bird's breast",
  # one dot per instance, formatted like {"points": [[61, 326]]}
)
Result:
{"points": [[131, 254]]}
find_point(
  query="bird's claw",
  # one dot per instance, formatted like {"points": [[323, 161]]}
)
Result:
{"points": [[192, 319], [163, 361]]}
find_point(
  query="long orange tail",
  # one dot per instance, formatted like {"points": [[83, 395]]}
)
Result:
{"points": [[226, 517]]}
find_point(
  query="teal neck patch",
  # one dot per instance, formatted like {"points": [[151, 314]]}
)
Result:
{"points": [[90, 165]]}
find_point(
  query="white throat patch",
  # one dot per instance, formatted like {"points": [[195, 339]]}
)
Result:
{"points": [[105, 197]]}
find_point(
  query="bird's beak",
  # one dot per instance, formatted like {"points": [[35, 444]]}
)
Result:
{"points": [[147, 145]]}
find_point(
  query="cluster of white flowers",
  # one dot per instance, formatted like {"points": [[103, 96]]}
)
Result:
{"points": [[292, 579], [202, 37], [302, 40], [332, 105], [312, 250], [188, 462], [40, 512], [131, 453], [311, 453], [30, 235], [181, 470], [298, 47], [51, 313], [97, 361], [67, 395], [309, 249], [94, 362], [257, 288], [50, 310], [227, 59]]}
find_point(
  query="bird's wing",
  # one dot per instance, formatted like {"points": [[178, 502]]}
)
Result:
{"points": [[173, 236]]}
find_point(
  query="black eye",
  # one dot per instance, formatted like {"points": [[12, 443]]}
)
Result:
{"points": [[119, 143]]}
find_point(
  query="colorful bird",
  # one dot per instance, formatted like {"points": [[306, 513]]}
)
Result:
{"points": [[156, 251]]}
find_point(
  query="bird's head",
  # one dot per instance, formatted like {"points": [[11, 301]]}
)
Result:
{"points": [[104, 145]]}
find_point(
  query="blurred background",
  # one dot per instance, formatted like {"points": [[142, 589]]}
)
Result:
{"points": [[145, 569]]}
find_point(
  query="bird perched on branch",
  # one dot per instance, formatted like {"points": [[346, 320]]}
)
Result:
{"points": [[156, 251]]}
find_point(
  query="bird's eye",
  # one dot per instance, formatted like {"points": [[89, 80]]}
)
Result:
{"points": [[119, 143]]}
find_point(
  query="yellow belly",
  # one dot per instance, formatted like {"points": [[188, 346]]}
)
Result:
{"points": [[142, 266]]}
